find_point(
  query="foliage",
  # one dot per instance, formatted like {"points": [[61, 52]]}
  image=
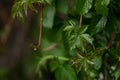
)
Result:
{"points": [[83, 51]]}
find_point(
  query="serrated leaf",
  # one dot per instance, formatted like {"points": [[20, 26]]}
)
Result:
{"points": [[87, 38], [76, 37], [75, 41], [48, 16], [82, 63], [32, 8], [65, 72], [101, 6], [17, 10], [67, 28], [83, 6], [21, 6]]}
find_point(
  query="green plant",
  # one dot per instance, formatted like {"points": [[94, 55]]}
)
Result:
{"points": [[80, 38]]}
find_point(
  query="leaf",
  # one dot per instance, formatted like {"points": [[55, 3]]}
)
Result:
{"points": [[17, 10], [93, 74], [28, 4], [54, 65], [21, 6], [76, 41], [99, 26], [97, 62], [83, 6], [101, 7], [62, 6], [49, 1], [48, 16], [69, 27], [43, 60], [117, 73], [87, 38], [65, 72], [82, 63], [76, 36], [83, 29]]}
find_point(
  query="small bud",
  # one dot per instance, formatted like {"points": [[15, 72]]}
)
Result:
{"points": [[35, 49]]}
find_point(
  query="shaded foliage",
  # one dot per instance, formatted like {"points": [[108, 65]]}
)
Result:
{"points": [[79, 42]]}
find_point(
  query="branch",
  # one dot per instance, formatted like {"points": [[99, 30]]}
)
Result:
{"points": [[111, 41]]}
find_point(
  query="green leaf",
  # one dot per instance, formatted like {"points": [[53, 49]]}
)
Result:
{"points": [[43, 60], [48, 16], [62, 6], [83, 6], [97, 62], [117, 73], [76, 36], [76, 41], [17, 10], [54, 65], [101, 7], [82, 63], [93, 74], [28, 4], [49, 1], [99, 26], [65, 72], [69, 27], [87, 38], [83, 29]]}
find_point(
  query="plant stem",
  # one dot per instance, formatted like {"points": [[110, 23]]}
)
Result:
{"points": [[50, 47], [111, 40], [80, 20], [41, 24]]}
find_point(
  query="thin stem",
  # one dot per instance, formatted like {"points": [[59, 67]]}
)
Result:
{"points": [[41, 24], [80, 20], [111, 40], [51, 47], [86, 53]]}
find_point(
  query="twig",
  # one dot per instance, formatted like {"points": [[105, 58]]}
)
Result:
{"points": [[80, 21], [111, 41], [7, 31], [41, 24], [50, 47]]}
